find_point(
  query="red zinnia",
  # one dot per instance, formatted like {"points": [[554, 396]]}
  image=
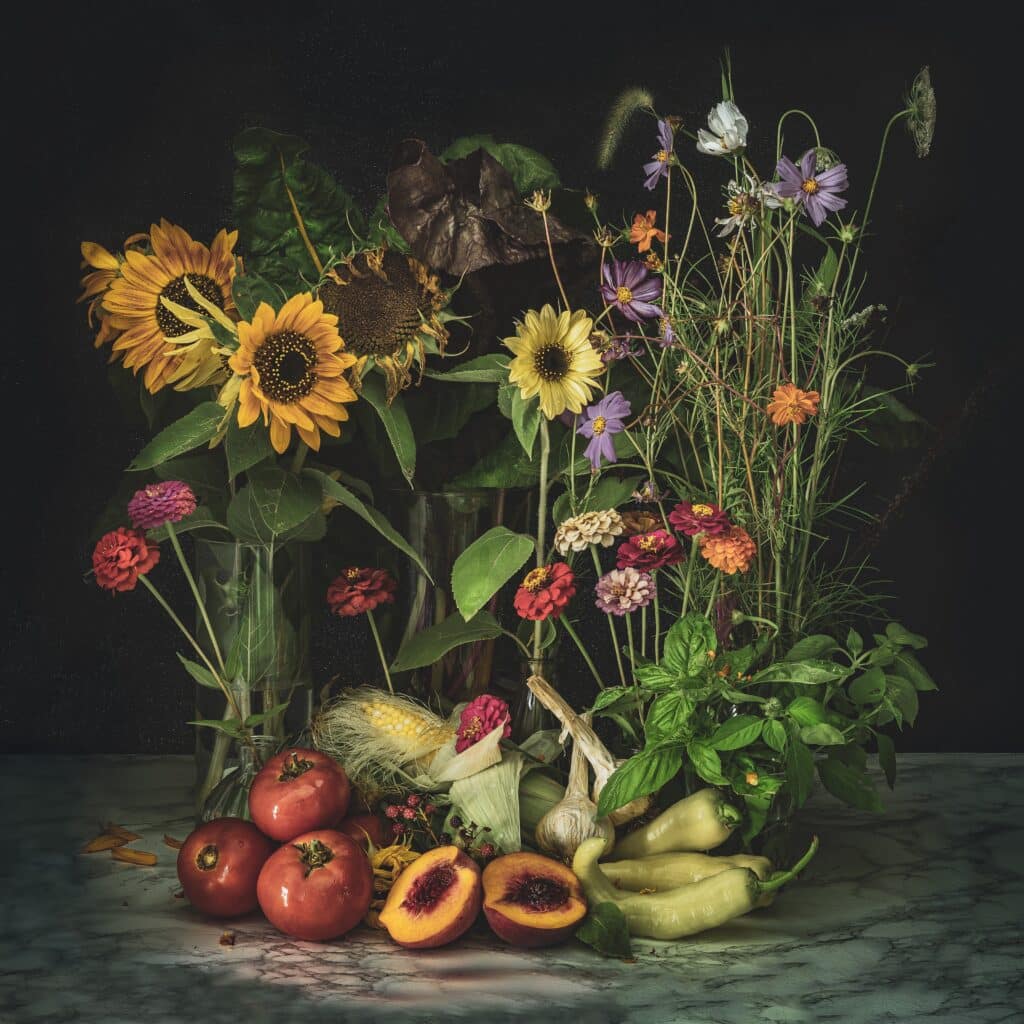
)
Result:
{"points": [[357, 591], [156, 504], [121, 557], [545, 591], [692, 519], [481, 717], [649, 551]]}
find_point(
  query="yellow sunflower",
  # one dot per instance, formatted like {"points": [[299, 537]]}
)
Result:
{"points": [[554, 358], [102, 269], [291, 367], [386, 305], [153, 337]]}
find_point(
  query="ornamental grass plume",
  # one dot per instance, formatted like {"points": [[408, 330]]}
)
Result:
{"points": [[622, 591], [357, 591], [480, 717], [168, 501], [578, 533], [730, 552], [790, 404], [544, 592], [121, 557], [648, 552]]}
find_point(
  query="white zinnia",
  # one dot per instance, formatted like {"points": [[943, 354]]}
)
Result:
{"points": [[728, 133], [579, 532]]}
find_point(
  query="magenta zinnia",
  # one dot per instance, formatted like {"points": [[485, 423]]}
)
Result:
{"points": [[700, 517], [158, 504], [481, 717], [647, 552]]}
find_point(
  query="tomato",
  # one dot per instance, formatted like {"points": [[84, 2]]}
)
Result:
{"points": [[358, 826], [316, 887], [298, 791], [219, 865]]}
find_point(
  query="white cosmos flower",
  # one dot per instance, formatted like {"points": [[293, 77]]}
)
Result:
{"points": [[728, 130], [744, 202]]}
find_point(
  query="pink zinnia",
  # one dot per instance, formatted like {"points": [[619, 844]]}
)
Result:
{"points": [[157, 504], [649, 551], [691, 519], [622, 591], [479, 718], [357, 591]]}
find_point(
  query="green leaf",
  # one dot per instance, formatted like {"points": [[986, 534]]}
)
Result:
{"points": [[606, 698], [341, 494], [643, 773], [201, 519], [811, 647], [395, 421], [775, 735], [757, 814], [655, 677], [849, 785], [806, 711], [273, 503], [737, 732], [706, 762], [799, 770], [486, 565], [193, 429], [489, 369], [687, 644], [907, 666], [904, 638], [505, 466], [246, 447], [524, 632], [249, 290], [868, 688], [259, 719], [262, 640], [854, 642], [902, 693], [821, 735], [606, 930], [668, 717], [204, 473], [808, 673], [201, 675], [608, 493], [741, 659], [430, 645], [887, 757], [229, 725], [529, 169], [889, 423], [442, 415], [525, 420]]}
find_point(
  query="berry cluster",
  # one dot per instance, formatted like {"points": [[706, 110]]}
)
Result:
{"points": [[468, 838]]}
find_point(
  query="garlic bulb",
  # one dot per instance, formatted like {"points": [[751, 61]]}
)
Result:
{"points": [[596, 752], [574, 818]]}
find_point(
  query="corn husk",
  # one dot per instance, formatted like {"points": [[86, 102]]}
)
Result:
{"points": [[491, 798], [448, 766]]}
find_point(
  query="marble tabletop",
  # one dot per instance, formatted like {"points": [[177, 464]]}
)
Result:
{"points": [[913, 916]]}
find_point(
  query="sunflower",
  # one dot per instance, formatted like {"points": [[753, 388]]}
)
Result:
{"points": [[554, 358], [291, 367], [151, 335], [386, 304], [102, 269]]}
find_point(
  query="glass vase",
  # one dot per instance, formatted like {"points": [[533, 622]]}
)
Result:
{"points": [[258, 601], [528, 714]]}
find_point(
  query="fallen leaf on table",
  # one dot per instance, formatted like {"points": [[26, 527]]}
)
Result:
{"points": [[174, 844], [227, 939], [134, 856], [105, 841], [119, 830]]}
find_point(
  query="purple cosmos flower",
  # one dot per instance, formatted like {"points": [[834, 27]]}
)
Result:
{"points": [[630, 287], [619, 349], [667, 337], [601, 422], [657, 168], [819, 193]]}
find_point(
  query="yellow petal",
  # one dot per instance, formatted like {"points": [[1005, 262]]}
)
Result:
{"points": [[280, 435], [96, 256]]}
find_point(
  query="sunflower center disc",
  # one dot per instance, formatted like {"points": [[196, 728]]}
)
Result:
{"points": [[285, 364], [176, 292], [552, 362]]}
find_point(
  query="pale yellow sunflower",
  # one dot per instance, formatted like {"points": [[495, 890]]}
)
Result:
{"points": [[102, 268], [387, 304], [291, 368], [554, 358], [152, 337]]}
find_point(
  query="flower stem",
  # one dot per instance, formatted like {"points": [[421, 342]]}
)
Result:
{"points": [[200, 604], [611, 623], [299, 458], [542, 513], [689, 574], [380, 649], [657, 625], [583, 651], [551, 256]]}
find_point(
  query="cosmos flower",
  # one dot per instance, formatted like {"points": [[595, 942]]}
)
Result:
{"points": [[600, 423], [643, 231], [658, 166], [629, 286], [816, 191], [790, 404], [728, 132]]}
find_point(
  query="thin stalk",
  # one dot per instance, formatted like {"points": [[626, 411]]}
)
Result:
{"points": [[689, 574], [551, 256], [643, 632], [299, 457], [303, 233], [657, 625], [611, 624], [567, 625], [629, 640], [542, 512], [380, 649], [200, 604]]}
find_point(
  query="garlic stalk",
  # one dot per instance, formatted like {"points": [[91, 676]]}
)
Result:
{"points": [[574, 818], [594, 750]]}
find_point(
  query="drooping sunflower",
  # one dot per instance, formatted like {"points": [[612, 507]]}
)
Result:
{"points": [[387, 304], [554, 358], [291, 368], [102, 268], [154, 338]]}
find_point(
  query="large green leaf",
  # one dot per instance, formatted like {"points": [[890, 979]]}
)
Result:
{"points": [[849, 784], [868, 688], [506, 466], [737, 732], [193, 429], [201, 675], [263, 211], [442, 414], [606, 930], [529, 169], [245, 447], [906, 665], [668, 717], [902, 693], [643, 773], [249, 290], [904, 638], [341, 494], [273, 503], [799, 770], [806, 711], [395, 421], [689, 645], [887, 757], [525, 420], [488, 369], [430, 645], [811, 647], [486, 565], [810, 673], [201, 519], [706, 762], [821, 735]]}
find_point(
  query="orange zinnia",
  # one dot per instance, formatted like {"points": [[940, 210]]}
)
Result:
{"points": [[643, 230], [791, 405], [730, 552]]}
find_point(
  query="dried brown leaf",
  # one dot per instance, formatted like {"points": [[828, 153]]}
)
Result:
{"points": [[102, 842], [119, 830], [174, 844], [141, 857]]}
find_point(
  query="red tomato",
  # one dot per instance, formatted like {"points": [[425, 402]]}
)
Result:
{"points": [[298, 791], [316, 887], [219, 864], [358, 826]]}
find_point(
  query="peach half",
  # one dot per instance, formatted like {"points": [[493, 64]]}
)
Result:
{"points": [[434, 901], [531, 900]]}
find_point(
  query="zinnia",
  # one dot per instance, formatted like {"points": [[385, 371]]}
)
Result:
{"points": [[649, 551], [481, 717], [691, 519], [730, 552], [791, 405], [577, 533], [357, 591], [544, 592], [622, 591], [121, 557], [157, 504]]}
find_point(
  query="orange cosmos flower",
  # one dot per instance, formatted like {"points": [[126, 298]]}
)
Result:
{"points": [[791, 405], [643, 230]]}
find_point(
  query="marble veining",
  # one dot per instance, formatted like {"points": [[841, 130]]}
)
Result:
{"points": [[914, 916]]}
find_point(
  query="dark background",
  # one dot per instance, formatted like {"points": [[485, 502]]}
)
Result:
{"points": [[121, 114]]}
